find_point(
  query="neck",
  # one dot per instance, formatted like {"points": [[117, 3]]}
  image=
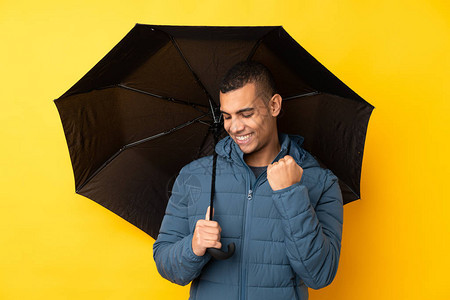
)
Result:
{"points": [[264, 156]]}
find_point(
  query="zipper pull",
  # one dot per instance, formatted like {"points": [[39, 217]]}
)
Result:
{"points": [[249, 195]]}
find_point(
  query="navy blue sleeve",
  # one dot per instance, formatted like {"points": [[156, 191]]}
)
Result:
{"points": [[172, 250]]}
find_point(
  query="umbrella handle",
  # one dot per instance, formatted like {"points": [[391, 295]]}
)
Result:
{"points": [[221, 255]]}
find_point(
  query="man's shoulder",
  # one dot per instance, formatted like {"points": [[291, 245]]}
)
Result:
{"points": [[305, 159], [316, 170], [199, 166]]}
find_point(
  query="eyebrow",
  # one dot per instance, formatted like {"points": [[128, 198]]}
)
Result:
{"points": [[239, 111]]}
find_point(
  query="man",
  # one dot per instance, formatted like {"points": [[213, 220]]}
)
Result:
{"points": [[286, 221]]}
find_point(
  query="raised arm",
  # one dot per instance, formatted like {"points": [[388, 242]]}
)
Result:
{"points": [[312, 234]]}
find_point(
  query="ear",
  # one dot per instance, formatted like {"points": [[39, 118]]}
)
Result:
{"points": [[275, 105]]}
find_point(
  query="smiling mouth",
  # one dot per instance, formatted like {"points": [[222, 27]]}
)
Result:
{"points": [[243, 138]]}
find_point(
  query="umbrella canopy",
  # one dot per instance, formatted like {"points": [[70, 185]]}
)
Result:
{"points": [[145, 110]]}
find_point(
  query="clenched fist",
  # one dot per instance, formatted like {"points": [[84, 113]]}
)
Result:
{"points": [[284, 173], [206, 235]]}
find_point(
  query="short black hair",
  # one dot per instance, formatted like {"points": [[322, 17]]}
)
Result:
{"points": [[249, 71]]}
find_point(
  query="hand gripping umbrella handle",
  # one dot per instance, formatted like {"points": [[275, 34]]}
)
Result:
{"points": [[221, 255]]}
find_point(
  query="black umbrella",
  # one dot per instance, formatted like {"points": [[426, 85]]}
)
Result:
{"points": [[146, 109]]}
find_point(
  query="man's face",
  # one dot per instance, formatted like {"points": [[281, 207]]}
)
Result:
{"points": [[247, 118]]}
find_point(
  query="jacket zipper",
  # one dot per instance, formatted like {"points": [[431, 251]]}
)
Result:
{"points": [[244, 240], [247, 217]]}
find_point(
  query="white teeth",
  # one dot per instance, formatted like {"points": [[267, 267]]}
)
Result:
{"points": [[243, 138]]}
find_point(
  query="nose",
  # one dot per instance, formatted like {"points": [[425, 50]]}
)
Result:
{"points": [[236, 125]]}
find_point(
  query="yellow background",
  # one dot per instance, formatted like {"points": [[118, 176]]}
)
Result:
{"points": [[55, 244]]}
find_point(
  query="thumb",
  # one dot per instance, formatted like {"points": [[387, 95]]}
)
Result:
{"points": [[207, 218], [207, 214]]}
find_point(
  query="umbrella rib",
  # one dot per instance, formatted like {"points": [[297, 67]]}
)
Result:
{"points": [[171, 99], [164, 133], [256, 46], [351, 190], [189, 66], [301, 95], [204, 123], [137, 143]]}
